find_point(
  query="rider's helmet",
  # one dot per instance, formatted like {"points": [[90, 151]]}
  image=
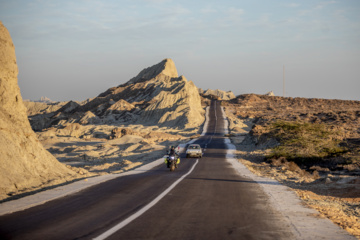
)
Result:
{"points": [[172, 147]]}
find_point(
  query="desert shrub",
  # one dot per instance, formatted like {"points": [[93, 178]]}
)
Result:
{"points": [[293, 167], [303, 141], [290, 166], [276, 162]]}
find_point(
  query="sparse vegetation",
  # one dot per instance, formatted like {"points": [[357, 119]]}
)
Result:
{"points": [[303, 142], [311, 145]]}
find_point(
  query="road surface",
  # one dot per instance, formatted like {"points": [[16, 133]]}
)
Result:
{"points": [[204, 198]]}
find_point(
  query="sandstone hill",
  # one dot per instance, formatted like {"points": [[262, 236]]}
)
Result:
{"points": [[156, 96], [24, 162]]}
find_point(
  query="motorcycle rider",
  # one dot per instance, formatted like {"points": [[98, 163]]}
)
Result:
{"points": [[172, 152]]}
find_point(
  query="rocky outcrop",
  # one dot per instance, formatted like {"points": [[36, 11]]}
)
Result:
{"points": [[89, 118], [220, 94], [271, 93], [120, 132], [165, 68], [156, 96], [24, 162], [176, 104], [119, 107]]}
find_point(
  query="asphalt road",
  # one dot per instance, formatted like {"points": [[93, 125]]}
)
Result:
{"points": [[211, 202]]}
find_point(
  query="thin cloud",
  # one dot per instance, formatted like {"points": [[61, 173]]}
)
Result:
{"points": [[157, 1], [292, 5], [324, 4], [234, 14], [319, 6], [208, 10]]}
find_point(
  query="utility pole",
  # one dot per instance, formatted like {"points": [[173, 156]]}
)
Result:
{"points": [[283, 80]]}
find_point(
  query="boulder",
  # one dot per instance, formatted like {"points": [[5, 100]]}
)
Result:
{"points": [[119, 132]]}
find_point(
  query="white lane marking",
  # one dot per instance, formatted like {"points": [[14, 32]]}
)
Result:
{"points": [[215, 114], [144, 209], [215, 120], [226, 121], [206, 121]]}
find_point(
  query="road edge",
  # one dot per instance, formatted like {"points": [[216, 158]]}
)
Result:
{"points": [[304, 222]]}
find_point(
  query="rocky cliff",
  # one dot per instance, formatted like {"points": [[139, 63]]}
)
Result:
{"points": [[24, 163]]}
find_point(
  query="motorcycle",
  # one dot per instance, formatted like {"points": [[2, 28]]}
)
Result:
{"points": [[172, 162]]}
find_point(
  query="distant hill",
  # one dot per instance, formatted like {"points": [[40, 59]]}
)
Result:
{"points": [[219, 94], [44, 100]]}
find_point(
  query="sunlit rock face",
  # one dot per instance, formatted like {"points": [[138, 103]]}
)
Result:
{"points": [[156, 96], [24, 163]]}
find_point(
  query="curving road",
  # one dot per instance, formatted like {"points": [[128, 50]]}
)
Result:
{"points": [[204, 198]]}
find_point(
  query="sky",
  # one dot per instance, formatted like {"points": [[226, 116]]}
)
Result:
{"points": [[75, 50]]}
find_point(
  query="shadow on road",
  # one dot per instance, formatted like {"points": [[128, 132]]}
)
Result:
{"points": [[239, 181]]}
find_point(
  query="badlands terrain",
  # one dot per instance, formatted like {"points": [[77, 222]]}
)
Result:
{"points": [[310, 145], [122, 128]]}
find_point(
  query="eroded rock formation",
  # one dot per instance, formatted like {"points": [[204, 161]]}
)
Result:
{"points": [[24, 163], [156, 96]]}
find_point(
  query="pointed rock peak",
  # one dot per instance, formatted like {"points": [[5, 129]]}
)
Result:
{"points": [[165, 67], [169, 68]]}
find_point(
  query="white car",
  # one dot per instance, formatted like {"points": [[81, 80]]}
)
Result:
{"points": [[194, 150]]}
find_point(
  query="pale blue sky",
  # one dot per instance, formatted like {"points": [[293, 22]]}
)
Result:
{"points": [[74, 50]]}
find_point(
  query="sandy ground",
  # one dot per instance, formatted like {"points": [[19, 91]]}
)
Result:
{"points": [[336, 197], [101, 150]]}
